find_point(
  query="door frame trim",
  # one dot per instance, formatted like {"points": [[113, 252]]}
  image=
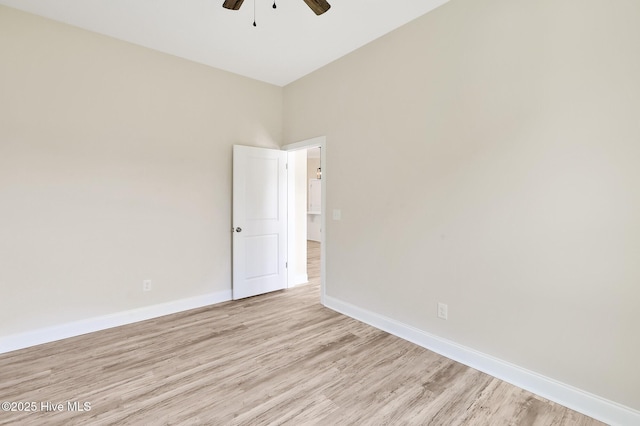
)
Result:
{"points": [[320, 141]]}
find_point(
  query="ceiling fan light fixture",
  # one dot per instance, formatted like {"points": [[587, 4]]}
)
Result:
{"points": [[232, 4], [318, 6]]}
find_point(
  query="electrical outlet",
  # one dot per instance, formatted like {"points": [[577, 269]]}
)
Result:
{"points": [[146, 285], [443, 310]]}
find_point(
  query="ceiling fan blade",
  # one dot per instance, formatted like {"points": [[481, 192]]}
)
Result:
{"points": [[232, 4], [318, 6]]}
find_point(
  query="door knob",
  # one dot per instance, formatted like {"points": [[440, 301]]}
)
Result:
{"points": [[238, 229]]}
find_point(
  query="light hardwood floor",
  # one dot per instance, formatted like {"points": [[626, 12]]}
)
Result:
{"points": [[280, 358], [313, 262]]}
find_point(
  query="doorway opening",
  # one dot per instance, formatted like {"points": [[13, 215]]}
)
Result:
{"points": [[307, 213]]}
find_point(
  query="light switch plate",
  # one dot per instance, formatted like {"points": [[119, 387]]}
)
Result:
{"points": [[443, 311]]}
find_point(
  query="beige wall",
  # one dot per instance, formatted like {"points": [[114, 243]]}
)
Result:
{"points": [[115, 166], [506, 144]]}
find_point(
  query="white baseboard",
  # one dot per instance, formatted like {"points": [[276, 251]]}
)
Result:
{"points": [[89, 325], [299, 280], [576, 399]]}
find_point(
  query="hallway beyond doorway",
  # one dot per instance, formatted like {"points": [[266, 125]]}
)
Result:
{"points": [[313, 262]]}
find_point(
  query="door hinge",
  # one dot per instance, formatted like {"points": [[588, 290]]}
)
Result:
{"points": [[286, 265]]}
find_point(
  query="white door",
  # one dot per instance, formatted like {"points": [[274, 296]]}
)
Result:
{"points": [[259, 221]]}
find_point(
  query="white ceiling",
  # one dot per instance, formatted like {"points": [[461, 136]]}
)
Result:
{"points": [[288, 42]]}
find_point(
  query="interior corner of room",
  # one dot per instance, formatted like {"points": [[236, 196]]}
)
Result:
{"points": [[481, 182]]}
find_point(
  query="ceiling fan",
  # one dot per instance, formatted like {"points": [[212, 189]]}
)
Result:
{"points": [[318, 6]]}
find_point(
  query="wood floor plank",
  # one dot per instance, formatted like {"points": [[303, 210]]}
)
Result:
{"points": [[275, 359]]}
